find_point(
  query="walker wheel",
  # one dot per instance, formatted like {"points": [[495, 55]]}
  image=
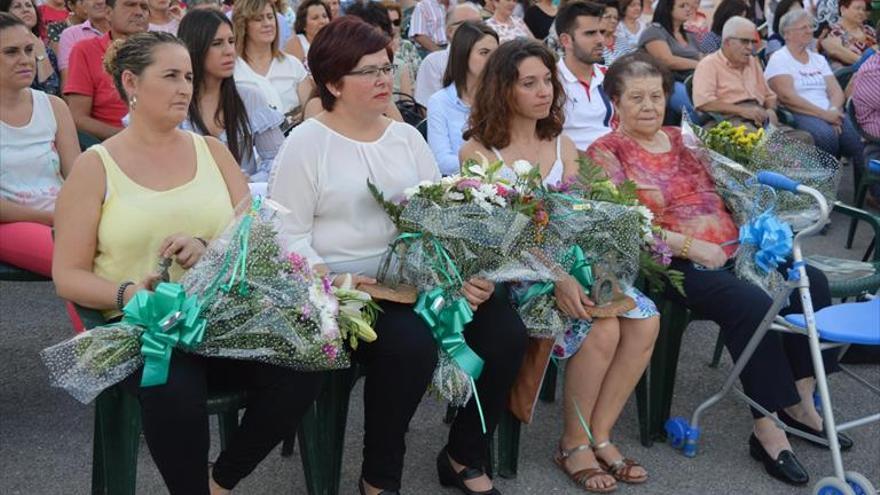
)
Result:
{"points": [[676, 431], [832, 486], [859, 483]]}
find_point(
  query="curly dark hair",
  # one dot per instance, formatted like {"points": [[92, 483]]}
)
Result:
{"points": [[494, 103]]}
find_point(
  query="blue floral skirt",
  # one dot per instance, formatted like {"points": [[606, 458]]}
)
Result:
{"points": [[568, 343]]}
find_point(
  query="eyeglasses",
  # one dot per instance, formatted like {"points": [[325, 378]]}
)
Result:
{"points": [[611, 17], [396, 22], [374, 72], [745, 41]]}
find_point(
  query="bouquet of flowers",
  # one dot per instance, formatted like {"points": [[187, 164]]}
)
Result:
{"points": [[471, 225], [741, 155], [246, 298], [766, 217], [736, 143], [609, 238]]}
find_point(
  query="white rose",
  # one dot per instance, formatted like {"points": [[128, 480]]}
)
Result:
{"points": [[455, 196], [409, 192], [522, 168]]}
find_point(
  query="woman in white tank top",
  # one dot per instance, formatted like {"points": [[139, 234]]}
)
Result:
{"points": [[517, 115], [311, 16], [38, 145]]}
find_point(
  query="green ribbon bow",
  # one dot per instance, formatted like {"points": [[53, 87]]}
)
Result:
{"points": [[580, 269], [447, 322], [170, 319]]}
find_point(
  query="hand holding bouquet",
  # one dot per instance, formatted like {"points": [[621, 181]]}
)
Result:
{"points": [[245, 299]]}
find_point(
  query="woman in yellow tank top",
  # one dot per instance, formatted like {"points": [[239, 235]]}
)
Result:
{"points": [[155, 191]]}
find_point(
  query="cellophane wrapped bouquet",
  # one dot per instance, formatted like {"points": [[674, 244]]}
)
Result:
{"points": [[475, 224], [766, 217], [246, 298], [598, 225]]}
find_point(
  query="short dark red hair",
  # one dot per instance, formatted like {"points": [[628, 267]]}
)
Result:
{"points": [[337, 49]]}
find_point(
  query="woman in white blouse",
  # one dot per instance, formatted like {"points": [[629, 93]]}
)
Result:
{"points": [[281, 78], [320, 176]]}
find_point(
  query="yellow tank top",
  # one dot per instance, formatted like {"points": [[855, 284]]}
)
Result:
{"points": [[135, 220]]}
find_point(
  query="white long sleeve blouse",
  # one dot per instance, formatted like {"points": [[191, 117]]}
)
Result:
{"points": [[320, 176]]}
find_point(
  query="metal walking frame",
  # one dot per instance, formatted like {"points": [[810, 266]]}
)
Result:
{"points": [[685, 435]]}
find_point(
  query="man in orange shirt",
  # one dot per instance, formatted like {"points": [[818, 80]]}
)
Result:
{"points": [[731, 82]]}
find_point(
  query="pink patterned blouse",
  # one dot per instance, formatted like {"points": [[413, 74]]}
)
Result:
{"points": [[674, 185]]}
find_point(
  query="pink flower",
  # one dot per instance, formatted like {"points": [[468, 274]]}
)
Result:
{"points": [[328, 285], [563, 186], [298, 262], [468, 184], [330, 351], [541, 217], [660, 251], [502, 191]]}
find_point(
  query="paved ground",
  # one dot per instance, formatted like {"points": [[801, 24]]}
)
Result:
{"points": [[45, 435]]}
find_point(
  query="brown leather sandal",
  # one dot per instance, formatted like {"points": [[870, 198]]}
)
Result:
{"points": [[582, 477], [621, 469]]}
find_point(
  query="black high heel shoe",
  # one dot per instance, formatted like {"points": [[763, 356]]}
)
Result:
{"points": [[843, 440], [363, 491], [448, 476], [785, 467]]}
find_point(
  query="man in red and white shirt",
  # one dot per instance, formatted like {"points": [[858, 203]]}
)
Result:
{"points": [[428, 25], [588, 111], [91, 95]]}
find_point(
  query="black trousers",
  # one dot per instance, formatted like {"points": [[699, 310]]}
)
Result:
{"points": [[738, 307], [399, 366], [175, 419]]}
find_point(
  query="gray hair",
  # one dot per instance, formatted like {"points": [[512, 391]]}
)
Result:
{"points": [[734, 24], [467, 5], [791, 17]]}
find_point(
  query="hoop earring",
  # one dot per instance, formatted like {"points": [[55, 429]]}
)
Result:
{"points": [[132, 102]]}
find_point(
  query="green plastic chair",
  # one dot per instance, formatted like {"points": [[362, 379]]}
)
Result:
{"points": [[842, 288], [13, 273], [862, 181], [653, 392], [118, 426]]}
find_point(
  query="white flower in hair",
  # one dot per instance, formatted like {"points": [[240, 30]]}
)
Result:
{"points": [[522, 168]]}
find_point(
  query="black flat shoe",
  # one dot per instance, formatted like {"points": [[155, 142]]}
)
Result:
{"points": [[785, 467], [448, 476], [843, 439], [363, 490]]}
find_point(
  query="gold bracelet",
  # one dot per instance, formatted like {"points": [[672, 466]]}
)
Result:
{"points": [[686, 247]]}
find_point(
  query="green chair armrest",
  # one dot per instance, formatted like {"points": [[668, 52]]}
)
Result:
{"points": [[91, 318], [785, 117], [870, 219]]}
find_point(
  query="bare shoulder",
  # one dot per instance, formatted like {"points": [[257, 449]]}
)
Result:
{"points": [[568, 147], [472, 149], [87, 174], [58, 105]]}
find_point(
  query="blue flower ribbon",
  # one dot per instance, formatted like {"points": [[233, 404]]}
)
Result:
{"points": [[170, 319], [771, 236]]}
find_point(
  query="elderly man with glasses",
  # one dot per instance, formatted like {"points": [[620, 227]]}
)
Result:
{"points": [[731, 81]]}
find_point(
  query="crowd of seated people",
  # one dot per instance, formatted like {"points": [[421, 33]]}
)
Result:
{"points": [[220, 86]]}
